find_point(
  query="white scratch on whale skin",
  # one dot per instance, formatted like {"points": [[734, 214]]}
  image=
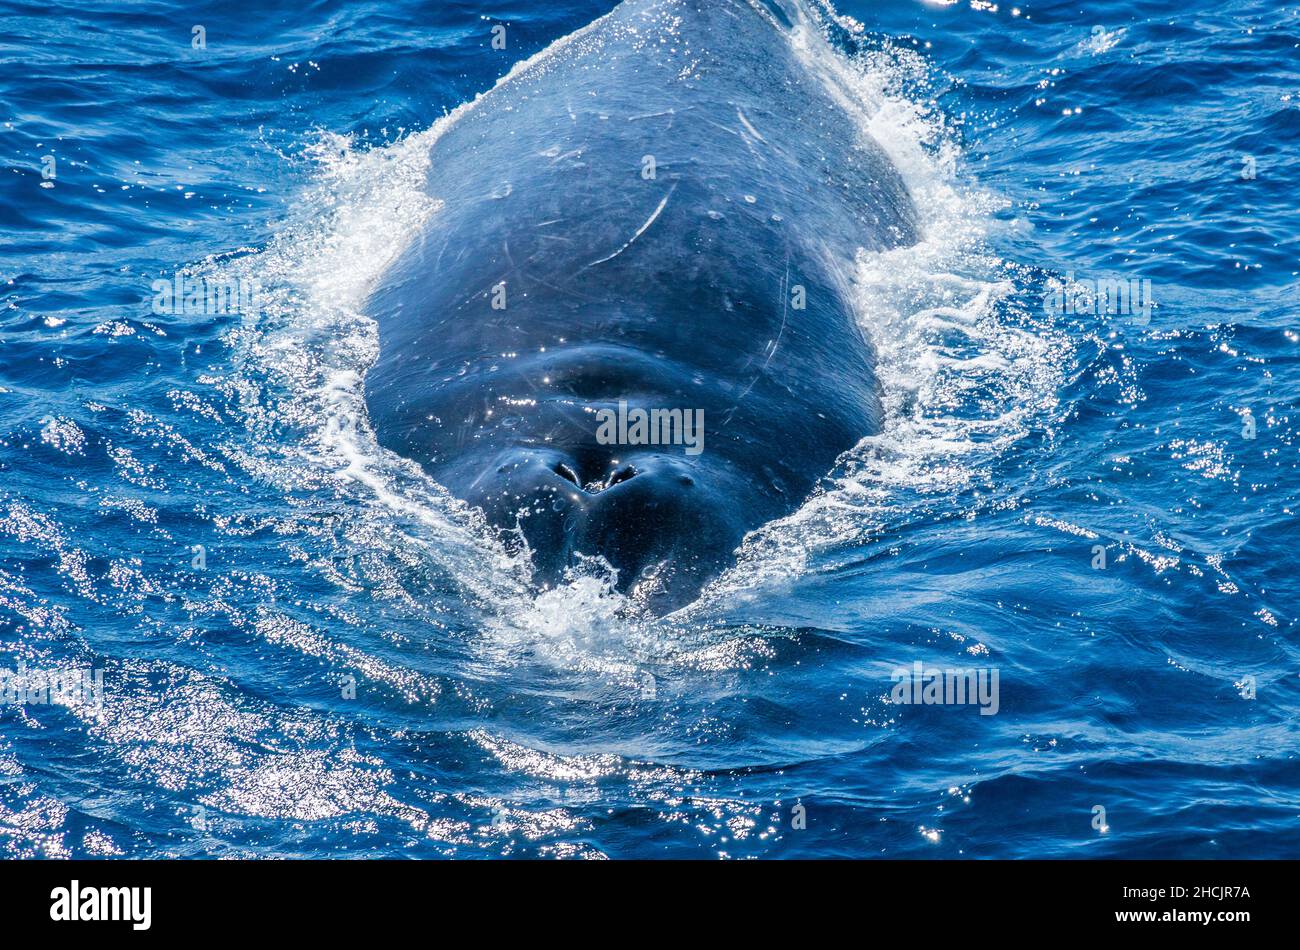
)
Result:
{"points": [[639, 231], [746, 123], [651, 115]]}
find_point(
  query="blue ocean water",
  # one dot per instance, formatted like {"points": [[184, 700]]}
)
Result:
{"points": [[308, 649]]}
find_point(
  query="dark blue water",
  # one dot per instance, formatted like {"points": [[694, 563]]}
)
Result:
{"points": [[308, 649]]}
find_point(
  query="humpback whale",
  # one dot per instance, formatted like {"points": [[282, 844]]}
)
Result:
{"points": [[649, 226]]}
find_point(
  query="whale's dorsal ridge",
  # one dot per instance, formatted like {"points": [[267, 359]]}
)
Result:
{"points": [[684, 203]]}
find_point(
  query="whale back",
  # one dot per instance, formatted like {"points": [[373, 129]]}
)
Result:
{"points": [[673, 186]]}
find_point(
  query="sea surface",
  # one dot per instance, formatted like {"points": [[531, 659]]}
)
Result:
{"points": [[306, 648]]}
